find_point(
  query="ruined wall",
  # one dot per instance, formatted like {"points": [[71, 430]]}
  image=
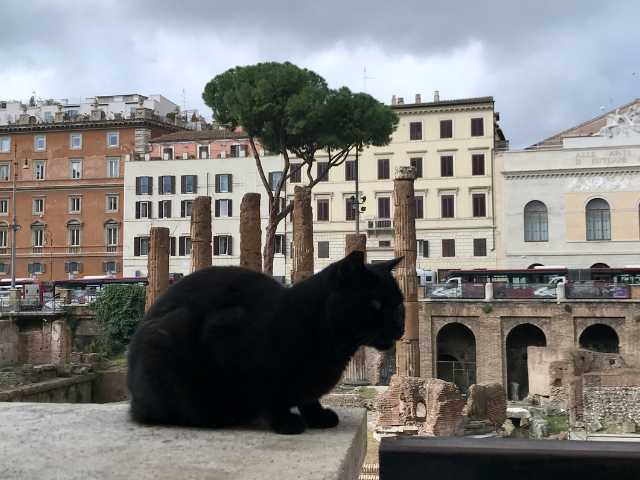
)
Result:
{"points": [[76, 389], [44, 341], [8, 342], [611, 401]]}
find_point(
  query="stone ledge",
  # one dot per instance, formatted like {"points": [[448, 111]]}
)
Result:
{"points": [[26, 390], [82, 441]]}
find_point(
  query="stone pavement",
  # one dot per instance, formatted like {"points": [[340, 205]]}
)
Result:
{"points": [[96, 441]]}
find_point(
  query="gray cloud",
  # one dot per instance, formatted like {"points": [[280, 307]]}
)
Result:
{"points": [[549, 64]]}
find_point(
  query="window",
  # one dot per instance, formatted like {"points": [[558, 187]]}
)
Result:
{"points": [[144, 185], [172, 246], [166, 184], [323, 171], [323, 249], [296, 173], [164, 209], [37, 236], [447, 206], [113, 167], [112, 233], [4, 171], [350, 208], [185, 208], [223, 208], [423, 248], [598, 220], [74, 233], [189, 184], [5, 144], [446, 166], [39, 143], [35, 268], [416, 163], [140, 246], [48, 117], [143, 209], [280, 244], [384, 207], [75, 141], [39, 169], [203, 152], [38, 206], [479, 247], [383, 168], [76, 168], [184, 246], [419, 207], [350, 170], [384, 243], [323, 210], [477, 127], [536, 228], [112, 203], [477, 164], [238, 150], [479, 205], [274, 179], [110, 267], [446, 128], [72, 267], [167, 153], [4, 206], [75, 204], [448, 248], [222, 245], [113, 139], [415, 131], [4, 237], [223, 183]]}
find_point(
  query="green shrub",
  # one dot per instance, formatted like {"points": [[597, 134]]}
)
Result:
{"points": [[119, 309]]}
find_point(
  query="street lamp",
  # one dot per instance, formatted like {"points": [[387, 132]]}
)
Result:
{"points": [[357, 200]]}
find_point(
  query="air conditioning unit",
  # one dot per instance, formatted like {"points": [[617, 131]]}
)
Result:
{"points": [[185, 156]]}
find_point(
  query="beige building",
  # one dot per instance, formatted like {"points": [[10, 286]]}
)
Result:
{"points": [[573, 199], [451, 143]]}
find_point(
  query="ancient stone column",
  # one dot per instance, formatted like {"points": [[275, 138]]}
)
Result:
{"points": [[404, 224], [250, 232], [356, 371], [302, 234], [201, 233], [158, 264]]}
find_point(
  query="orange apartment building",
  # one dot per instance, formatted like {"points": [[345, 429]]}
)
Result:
{"points": [[69, 178]]}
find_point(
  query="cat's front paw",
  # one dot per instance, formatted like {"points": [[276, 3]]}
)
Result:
{"points": [[321, 418], [290, 424]]}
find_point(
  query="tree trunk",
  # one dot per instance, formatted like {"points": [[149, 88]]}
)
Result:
{"points": [[269, 240], [302, 235], [250, 232], [404, 224], [201, 233], [157, 265]]}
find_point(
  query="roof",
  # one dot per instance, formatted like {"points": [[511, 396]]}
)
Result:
{"points": [[585, 129], [198, 135], [445, 103]]}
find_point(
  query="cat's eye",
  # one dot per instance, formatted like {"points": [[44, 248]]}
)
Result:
{"points": [[376, 304]]}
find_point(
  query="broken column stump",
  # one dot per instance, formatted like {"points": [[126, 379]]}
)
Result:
{"points": [[302, 235], [157, 264], [201, 233], [250, 232]]}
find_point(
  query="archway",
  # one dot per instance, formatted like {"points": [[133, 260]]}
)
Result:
{"points": [[518, 340], [599, 265], [534, 265], [600, 338], [456, 355]]}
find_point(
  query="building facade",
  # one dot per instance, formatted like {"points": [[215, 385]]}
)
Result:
{"points": [[159, 192], [451, 143], [69, 177], [573, 200]]}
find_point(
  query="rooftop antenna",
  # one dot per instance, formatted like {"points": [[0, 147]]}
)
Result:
{"points": [[365, 78], [184, 100]]}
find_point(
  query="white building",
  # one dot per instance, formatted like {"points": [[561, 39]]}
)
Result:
{"points": [[159, 192], [573, 200]]}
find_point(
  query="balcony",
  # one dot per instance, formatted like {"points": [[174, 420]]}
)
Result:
{"points": [[379, 225]]}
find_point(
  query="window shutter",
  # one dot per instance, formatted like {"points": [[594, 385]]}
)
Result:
{"points": [[79, 267], [116, 269], [160, 209], [182, 208], [172, 246], [229, 245], [160, 191], [217, 183], [137, 185], [43, 267], [230, 183], [66, 267], [30, 268], [195, 184], [167, 210], [181, 248], [150, 185], [104, 267], [216, 248], [136, 247], [425, 248], [150, 205], [231, 208], [137, 209], [173, 184], [217, 208], [183, 181]]}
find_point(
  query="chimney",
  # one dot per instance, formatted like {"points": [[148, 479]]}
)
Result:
{"points": [[394, 100], [436, 96], [418, 98], [400, 101]]}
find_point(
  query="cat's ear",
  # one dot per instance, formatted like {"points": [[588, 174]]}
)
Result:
{"points": [[351, 266], [388, 266]]}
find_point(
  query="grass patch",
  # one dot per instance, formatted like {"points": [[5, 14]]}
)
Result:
{"points": [[557, 424]]}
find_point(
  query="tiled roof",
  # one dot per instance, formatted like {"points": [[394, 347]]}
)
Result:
{"points": [[445, 103], [584, 129], [199, 135]]}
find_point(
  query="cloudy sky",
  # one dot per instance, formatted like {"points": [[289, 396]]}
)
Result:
{"points": [[548, 64]]}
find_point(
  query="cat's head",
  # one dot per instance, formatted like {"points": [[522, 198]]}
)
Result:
{"points": [[367, 299]]}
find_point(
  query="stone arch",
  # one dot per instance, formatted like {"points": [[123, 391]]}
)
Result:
{"points": [[518, 340], [599, 265], [600, 338], [534, 265], [456, 355]]}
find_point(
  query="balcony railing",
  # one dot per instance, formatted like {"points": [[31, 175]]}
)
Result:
{"points": [[379, 224]]}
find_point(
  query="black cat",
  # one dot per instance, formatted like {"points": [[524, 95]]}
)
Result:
{"points": [[226, 345]]}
